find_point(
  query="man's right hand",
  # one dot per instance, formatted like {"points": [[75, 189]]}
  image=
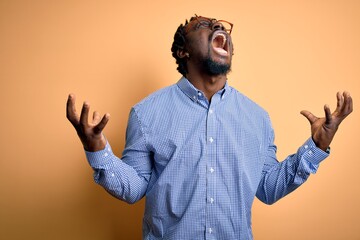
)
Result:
{"points": [[90, 134]]}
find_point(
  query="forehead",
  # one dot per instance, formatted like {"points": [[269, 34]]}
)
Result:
{"points": [[195, 18]]}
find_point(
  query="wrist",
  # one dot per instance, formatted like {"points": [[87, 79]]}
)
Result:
{"points": [[321, 145], [95, 145]]}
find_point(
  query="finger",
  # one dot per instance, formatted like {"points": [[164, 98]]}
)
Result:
{"points": [[348, 103], [340, 101], [71, 113], [96, 117], [84, 114], [311, 117], [98, 128], [328, 116]]}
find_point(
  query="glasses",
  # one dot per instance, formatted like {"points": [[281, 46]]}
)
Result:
{"points": [[205, 22]]}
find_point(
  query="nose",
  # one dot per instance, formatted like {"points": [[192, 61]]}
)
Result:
{"points": [[217, 26]]}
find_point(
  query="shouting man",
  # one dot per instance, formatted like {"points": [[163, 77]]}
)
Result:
{"points": [[199, 150]]}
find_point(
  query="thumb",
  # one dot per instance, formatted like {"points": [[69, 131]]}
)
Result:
{"points": [[311, 117]]}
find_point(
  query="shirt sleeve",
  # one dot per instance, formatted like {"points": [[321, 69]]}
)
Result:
{"points": [[126, 178], [281, 178]]}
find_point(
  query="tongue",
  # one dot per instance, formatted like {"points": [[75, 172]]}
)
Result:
{"points": [[220, 51]]}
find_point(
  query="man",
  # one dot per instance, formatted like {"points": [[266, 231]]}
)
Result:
{"points": [[199, 150]]}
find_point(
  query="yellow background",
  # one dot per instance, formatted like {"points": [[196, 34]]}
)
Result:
{"points": [[289, 56]]}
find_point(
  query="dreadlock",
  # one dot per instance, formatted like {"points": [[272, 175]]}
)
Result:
{"points": [[179, 44]]}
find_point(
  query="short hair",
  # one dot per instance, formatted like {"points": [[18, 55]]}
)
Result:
{"points": [[179, 44]]}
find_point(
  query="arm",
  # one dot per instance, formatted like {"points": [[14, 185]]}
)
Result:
{"points": [[280, 178], [124, 181]]}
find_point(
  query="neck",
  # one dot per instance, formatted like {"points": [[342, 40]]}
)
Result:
{"points": [[209, 85]]}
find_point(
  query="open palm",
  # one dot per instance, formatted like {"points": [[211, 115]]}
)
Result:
{"points": [[323, 129], [90, 133]]}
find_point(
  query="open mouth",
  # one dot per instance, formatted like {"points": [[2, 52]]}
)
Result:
{"points": [[219, 43]]}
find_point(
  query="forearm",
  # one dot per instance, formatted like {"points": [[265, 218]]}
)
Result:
{"points": [[118, 178], [281, 178]]}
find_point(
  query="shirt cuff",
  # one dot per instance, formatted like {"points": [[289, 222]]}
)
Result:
{"points": [[100, 158], [312, 153]]}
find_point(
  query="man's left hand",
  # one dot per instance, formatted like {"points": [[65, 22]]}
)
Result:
{"points": [[323, 129]]}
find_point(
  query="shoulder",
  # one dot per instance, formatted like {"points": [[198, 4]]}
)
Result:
{"points": [[252, 113], [157, 99], [246, 104]]}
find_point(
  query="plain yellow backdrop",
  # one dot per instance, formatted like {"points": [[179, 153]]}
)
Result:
{"points": [[289, 56]]}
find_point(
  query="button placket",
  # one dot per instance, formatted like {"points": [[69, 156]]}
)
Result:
{"points": [[210, 168]]}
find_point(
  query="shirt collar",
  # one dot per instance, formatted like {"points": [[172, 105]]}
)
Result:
{"points": [[192, 92]]}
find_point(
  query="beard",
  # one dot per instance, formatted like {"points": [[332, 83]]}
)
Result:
{"points": [[214, 68]]}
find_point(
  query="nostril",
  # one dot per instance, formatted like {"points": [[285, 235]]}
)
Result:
{"points": [[218, 26]]}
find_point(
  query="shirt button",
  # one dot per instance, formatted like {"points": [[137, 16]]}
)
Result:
{"points": [[212, 200], [211, 139], [199, 93], [212, 170], [210, 230], [310, 152], [306, 146], [113, 175], [211, 111], [106, 154]]}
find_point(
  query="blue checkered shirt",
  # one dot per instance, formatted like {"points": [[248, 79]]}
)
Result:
{"points": [[200, 164]]}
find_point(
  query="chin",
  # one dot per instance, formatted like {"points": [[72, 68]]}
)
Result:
{"points": [[215, 68]]}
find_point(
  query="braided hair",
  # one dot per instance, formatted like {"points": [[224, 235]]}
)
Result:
{"points": [[179, 44]]}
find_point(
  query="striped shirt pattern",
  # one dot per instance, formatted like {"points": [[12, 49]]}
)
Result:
{"points": [[200, 164]]}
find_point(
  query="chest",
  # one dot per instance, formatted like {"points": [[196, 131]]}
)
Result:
{"points": [[224, 135]]}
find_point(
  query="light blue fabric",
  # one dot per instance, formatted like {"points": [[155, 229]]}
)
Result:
{"points": [[200, 164]]}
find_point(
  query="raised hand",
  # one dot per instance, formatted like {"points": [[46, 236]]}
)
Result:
{"points": [[323, 129], [90, 134]]}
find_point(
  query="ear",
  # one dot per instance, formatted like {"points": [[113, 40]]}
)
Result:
{"points": [[181, 53]]}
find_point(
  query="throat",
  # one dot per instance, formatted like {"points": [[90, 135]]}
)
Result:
{"points": [[209, 85]]}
